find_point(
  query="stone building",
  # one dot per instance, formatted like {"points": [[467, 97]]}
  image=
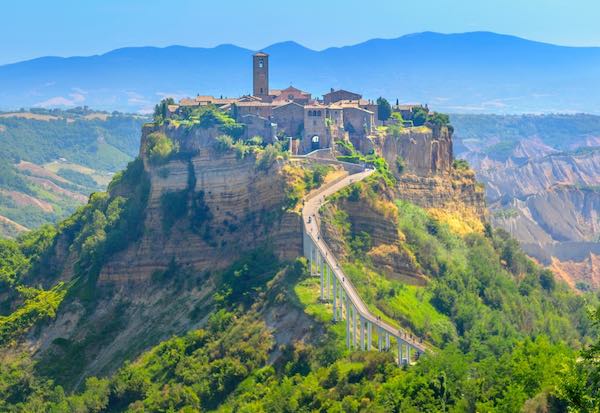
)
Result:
{"points": [[340, 94], [290, 94], [289, 118], [260, 75], [291, 112]]}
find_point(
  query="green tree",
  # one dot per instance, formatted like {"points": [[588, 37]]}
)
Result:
{"points": [[419, 116], [384, 109]]}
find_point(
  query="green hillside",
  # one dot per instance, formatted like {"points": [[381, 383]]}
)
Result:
{"points": [[507, 335], [51, 160]]}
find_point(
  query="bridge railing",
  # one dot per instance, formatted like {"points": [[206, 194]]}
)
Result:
{"points": [[321, 258]]}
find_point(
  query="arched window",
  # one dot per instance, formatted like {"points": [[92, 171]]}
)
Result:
{"points": [[318, 113], [261, 63]]}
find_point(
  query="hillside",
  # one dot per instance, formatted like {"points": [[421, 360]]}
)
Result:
{"points": [[50, 161], [541, 177], [183, 288], [471, 72]]}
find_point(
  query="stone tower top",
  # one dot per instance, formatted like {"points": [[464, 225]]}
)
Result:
{"points": [[260, 73]]}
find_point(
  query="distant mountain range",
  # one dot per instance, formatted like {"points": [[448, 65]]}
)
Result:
{"points": [[470, 72]]}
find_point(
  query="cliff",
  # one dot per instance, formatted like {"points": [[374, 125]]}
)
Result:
{"points": [[145, 259], [425, 150], [231, 208]]}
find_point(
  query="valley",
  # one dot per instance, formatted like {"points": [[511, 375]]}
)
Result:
{"points": [[541, 175], [51, 160]]}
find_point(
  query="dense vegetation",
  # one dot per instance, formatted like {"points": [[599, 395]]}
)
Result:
{"points": [[506, 334]]}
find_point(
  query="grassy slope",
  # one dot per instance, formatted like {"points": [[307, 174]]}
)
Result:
{"points": [[79, 152]]}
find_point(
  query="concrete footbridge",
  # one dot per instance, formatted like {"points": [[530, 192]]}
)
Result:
{"points": [[362, 327]]}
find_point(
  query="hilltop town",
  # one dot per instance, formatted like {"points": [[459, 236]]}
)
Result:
{"points": [[310, 123]]}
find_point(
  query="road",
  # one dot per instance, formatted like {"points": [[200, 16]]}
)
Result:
{"points": [[311, 208]]}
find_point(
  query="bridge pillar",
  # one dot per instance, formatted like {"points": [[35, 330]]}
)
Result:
{"points": [[311, 259], [347, 322], [334, 300], [321, 270], [400, 351], [354, 327], [407, 354], [340, 291], [362, 333], [369, 335], [329, 282], [387, 341], [379, 338]]}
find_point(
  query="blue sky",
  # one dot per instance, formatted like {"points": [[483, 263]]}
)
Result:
{"points": [[33, 28]]}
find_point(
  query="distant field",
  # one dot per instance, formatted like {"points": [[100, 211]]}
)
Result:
{"points": [[48, 167], [27, 115]]}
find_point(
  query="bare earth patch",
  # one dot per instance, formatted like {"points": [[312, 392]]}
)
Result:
{"points": [[40, 171], [13, 224], [22, 200], [28, 115]]}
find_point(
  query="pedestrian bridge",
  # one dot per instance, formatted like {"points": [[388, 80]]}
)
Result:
{"points": [[364, 331]]}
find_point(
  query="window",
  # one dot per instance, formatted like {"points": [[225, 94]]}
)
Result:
{"points": [[261, 90], [261, 63]]}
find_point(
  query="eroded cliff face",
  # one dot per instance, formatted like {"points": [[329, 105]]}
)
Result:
{"points": [[232, 207], [425, 150], [205, 209], [422, 163]]}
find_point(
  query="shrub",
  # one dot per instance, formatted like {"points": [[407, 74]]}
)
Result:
{"points": [[400, 164], [159, 147], [460, 164]]}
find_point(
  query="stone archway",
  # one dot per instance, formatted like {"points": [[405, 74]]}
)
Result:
{"points": [[315, 143]]}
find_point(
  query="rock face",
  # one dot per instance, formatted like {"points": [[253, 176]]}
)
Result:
{"points": [[426, 151], [205, 209], [521, 177], [427, 179], [549, 201], [242, 209]]}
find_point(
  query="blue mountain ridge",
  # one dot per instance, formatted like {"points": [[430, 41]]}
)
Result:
{"points": [[468, 72]]}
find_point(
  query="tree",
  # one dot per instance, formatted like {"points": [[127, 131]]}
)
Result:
{"points": [[384, 110], [161, 110], [580, 386], [419, 116]]}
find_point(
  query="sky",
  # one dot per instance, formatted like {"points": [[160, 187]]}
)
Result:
{"points": [[86, 27]]}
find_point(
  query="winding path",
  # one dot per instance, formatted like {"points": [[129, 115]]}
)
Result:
{"points": [[337, 287]]}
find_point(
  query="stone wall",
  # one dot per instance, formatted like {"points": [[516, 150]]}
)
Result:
{"points": [[289, 118]]}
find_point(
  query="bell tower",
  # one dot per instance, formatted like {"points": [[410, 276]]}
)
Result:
{"points": [[260, 74]]}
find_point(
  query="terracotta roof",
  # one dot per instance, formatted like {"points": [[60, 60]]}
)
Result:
{"points": [[252, 104], [204, 98], [341, 90], [275, 92], [188, 102], [289, 102], [172, 108], [407, 106], [249, 98], [261, 54], [224, 101]]}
